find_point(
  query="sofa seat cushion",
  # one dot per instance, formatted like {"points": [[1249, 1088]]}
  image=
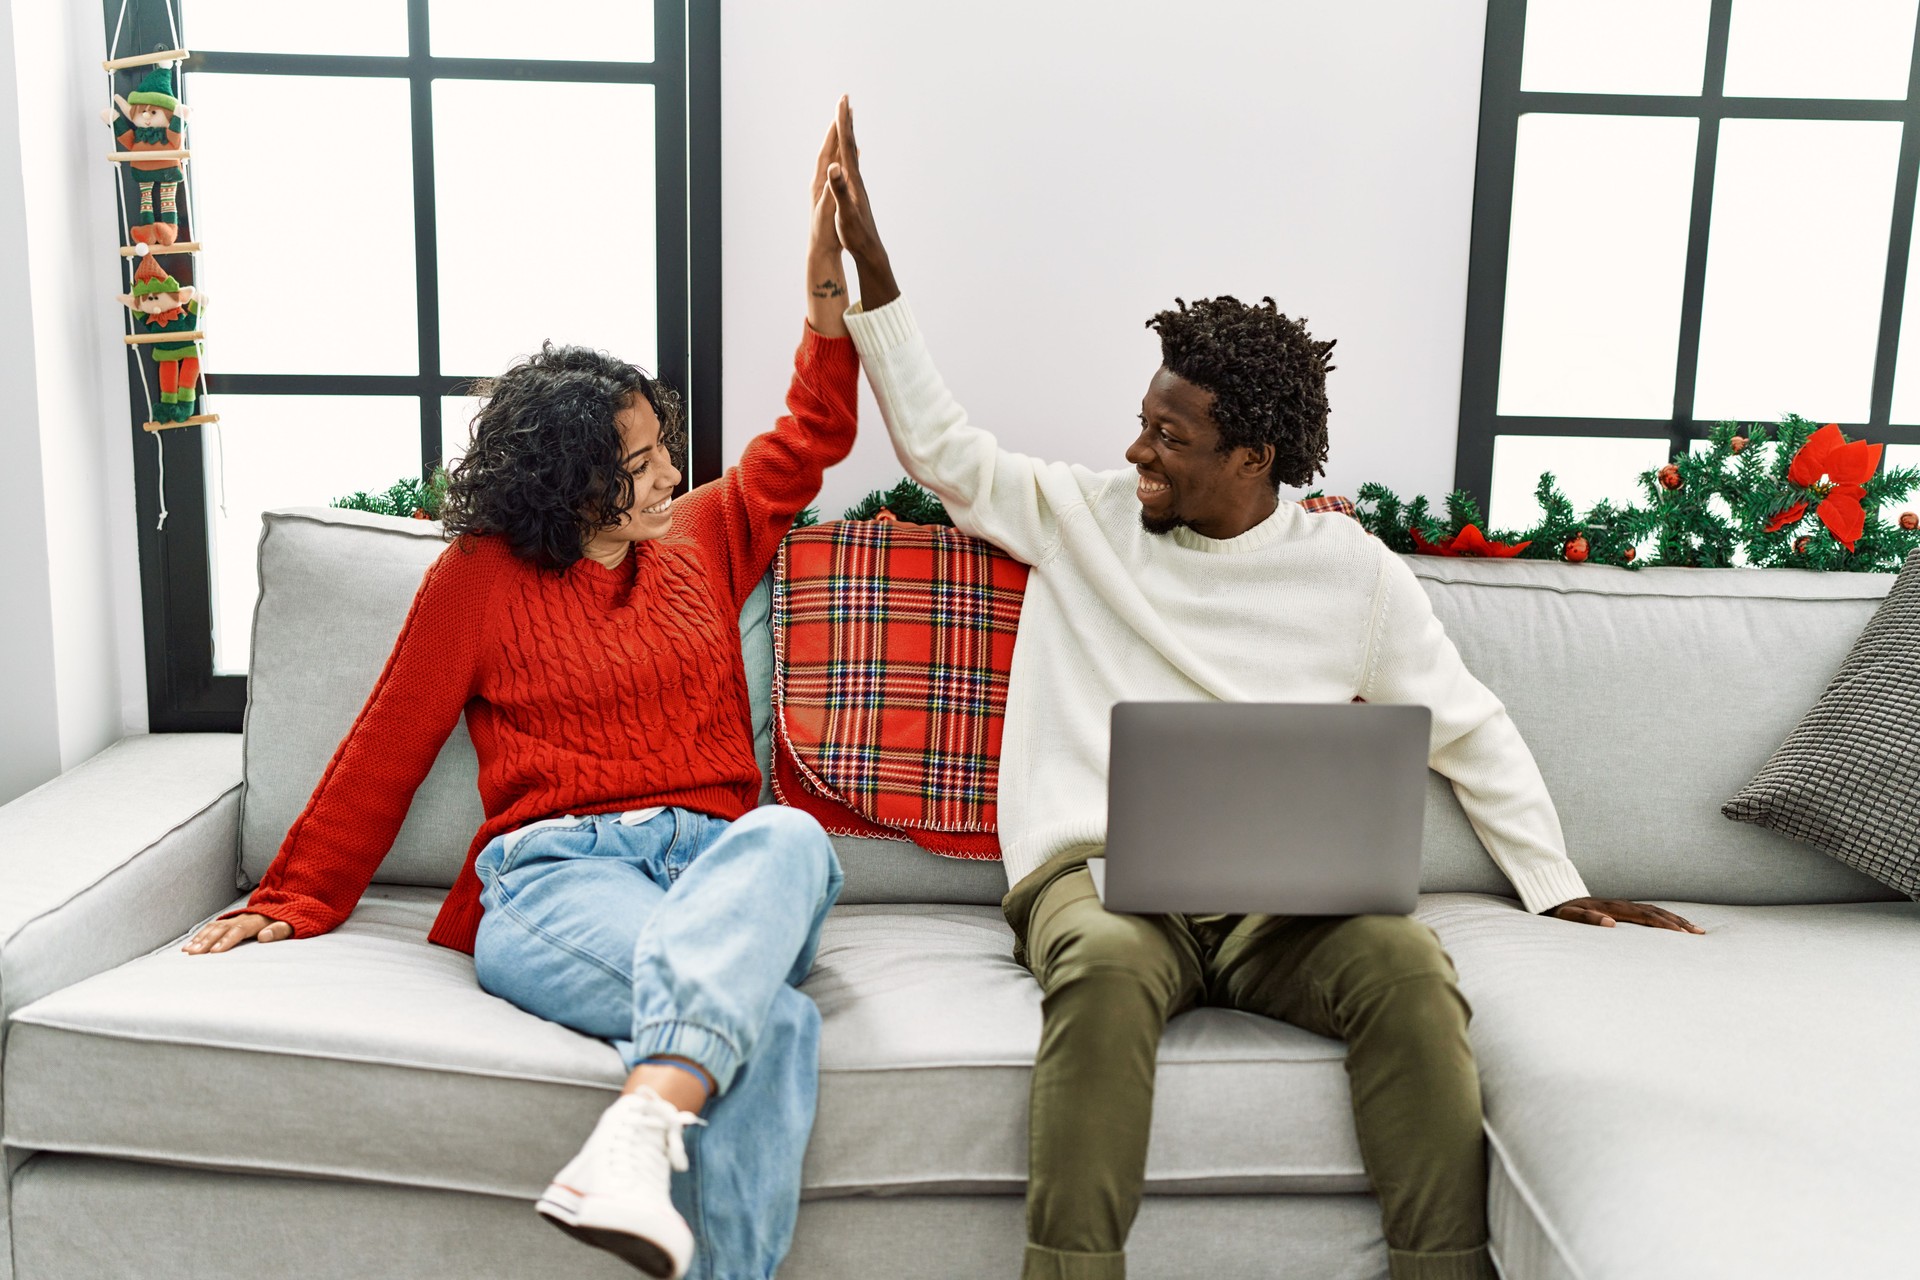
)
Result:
{"points": [[1743, 1103], [369, 1054]]}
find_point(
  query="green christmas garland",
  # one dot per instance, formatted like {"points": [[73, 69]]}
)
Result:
{"points": [[1733, 502], [421, 499], [415, 498]]}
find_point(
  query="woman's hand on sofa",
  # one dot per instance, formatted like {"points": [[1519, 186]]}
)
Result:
{"points": [[1607, 912], [224, 935]]}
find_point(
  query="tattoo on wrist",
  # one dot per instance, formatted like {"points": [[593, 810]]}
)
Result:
{"points": [[829, 288]]}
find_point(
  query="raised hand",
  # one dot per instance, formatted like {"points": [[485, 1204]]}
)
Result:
{"points": [[1606, 912], [853, 217], [827, 299], [823, 237], [224, 935]]}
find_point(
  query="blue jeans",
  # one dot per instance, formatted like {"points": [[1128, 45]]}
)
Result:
{"points": [[684, 935]]}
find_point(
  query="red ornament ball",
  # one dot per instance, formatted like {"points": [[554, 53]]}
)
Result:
{"points": [[1909, 521], [1630, 554], [1670, 477], [1739, 443], [1800, 545], [1577, 550]]}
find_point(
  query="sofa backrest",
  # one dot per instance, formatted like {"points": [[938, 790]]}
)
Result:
{"points": [[334, 590], [1647, 699]]}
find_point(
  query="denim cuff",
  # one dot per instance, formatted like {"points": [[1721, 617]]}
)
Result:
{"points": [[715, 1054]]}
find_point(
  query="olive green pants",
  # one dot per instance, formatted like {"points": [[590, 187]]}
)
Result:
{"points": [[1111, 982]]}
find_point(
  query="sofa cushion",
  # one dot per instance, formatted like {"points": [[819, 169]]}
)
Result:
{"points": [[367, 1053], [1741, 1103], [1642, 699], [334, 588], [1847, 779]]}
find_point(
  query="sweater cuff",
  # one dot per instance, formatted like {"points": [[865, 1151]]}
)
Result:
{"points": [[1548, 886], [878, 332], [306, 917], [819, 350]]}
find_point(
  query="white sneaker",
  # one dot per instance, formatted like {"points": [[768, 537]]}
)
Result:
{"points": [[615, 1195]]}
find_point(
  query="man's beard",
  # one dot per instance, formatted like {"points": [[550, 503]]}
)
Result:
{"points": [[1161, 524]]}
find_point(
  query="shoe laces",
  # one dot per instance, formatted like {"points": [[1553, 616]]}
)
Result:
{"points": [[646, 1124]]}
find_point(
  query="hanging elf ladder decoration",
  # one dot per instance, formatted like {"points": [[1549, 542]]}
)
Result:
{"points": [[164, 303], [148, 124], [166, 320]]}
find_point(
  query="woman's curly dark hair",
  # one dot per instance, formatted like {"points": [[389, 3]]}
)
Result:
{"points": [[547, 469], [1267, 374]]}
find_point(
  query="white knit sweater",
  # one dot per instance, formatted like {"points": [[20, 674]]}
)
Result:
{"points": [[1300, 608]]}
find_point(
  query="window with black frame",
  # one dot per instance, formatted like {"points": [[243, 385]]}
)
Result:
{"points": [[392, 200], [1685, 212]]}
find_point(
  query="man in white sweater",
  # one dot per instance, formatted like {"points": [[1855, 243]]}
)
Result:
{"points": [[1185, 577]]}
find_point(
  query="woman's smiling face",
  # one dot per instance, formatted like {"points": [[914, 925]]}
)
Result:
{"points": [[654, 475]]}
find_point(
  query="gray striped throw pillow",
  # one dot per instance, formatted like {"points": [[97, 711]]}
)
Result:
{"points": [[1847, 779]]}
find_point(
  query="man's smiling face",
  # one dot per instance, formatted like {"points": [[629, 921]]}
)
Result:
{"points": [[1186, 480]]}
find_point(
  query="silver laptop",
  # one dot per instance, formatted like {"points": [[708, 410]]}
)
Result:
{"points": [[1279, 808]]}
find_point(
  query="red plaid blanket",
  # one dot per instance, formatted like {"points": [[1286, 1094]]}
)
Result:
{"points": [[1342, 506], [892, 644], [891, 649]]}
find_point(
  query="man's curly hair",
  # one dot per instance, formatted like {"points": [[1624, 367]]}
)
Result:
{"points": [[1267, 374], [547, 469]]}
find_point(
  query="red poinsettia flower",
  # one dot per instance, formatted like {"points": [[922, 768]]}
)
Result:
{"points": [[1468, 542], [1837, 472], [1790, 516]]}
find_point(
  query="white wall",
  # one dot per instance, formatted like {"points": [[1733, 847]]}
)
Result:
{"points": [[29, 723], [1048, 174], [73, 550]]}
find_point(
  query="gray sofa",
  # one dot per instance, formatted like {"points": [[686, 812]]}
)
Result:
{"points": [[1744, 1104]]}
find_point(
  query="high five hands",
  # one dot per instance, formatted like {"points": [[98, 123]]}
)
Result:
{"points": [[853, 215]]}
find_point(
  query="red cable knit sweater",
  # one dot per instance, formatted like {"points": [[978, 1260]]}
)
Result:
{"points": [[586, 691]]}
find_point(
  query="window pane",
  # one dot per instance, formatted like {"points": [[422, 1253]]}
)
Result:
{"points": [[546, 221], [1589, 470], [264, 194], [1596, 265], [567, 30], [1903, 455], [1796, 265], [256, 26], [1615, 46], [290, 451], [1834, 49], [456, 427]]}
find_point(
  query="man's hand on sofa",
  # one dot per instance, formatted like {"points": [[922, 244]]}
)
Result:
{"points": [[1607, 912], [224, 935]]}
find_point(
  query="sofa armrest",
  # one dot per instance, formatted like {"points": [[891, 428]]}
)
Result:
{"points": [[115, 857]]}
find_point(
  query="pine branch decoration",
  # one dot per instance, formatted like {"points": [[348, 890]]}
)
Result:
{"points": [[406, 498], [1710, 507], [906, 502]]}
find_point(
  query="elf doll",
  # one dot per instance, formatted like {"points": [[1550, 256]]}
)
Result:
{"points": [[162, 304], [146, 122]]}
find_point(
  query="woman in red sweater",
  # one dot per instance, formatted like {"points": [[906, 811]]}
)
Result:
{"points": [[623, 883]]}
